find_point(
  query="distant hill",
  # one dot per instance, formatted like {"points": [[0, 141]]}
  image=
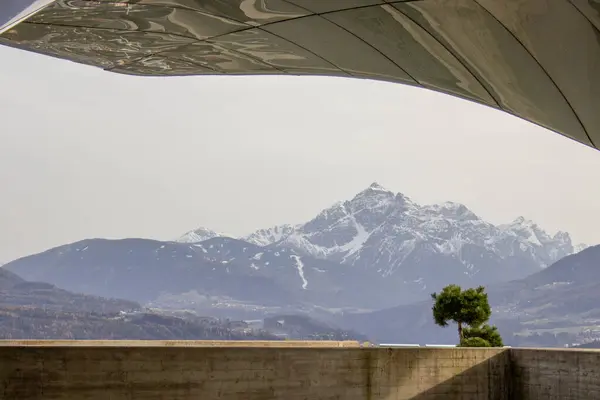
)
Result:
{"points": [[17, 292], [556, 306], [38, 310], [141, 270], [217, 274], [9, 279], [567, 290], [39, 323]]}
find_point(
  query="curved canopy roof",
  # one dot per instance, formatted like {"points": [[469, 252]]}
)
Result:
{"points": [[537, 59]]}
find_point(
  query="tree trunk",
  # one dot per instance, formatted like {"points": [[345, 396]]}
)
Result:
{"points": [[460, 331]]}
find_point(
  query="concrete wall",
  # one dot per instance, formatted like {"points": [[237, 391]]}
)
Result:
{"points": [[553, 374], [112, 372], [153, 370]]}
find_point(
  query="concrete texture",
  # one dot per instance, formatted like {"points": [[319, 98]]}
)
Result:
{"points": [[173, 371], [204, 370], [553, 374]]}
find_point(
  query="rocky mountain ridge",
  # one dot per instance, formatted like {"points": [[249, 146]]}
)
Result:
{"points": [[377, 221], [418, 245], [199, 235]]}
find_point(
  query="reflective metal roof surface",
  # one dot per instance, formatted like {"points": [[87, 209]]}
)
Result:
{"points": [[537, 59]]}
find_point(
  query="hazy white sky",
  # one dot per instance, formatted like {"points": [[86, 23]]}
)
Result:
{"points": [[85, 153]]}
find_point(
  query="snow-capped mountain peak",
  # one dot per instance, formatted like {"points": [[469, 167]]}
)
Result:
{"points": [[450, 210], [377, 187], [534, 234], [264, 237], [375, 195], [560, 235], [389, 232], [198, 235]]}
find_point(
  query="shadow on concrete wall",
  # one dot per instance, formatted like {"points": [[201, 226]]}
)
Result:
{"points": [[489, 379], [430, 373]]}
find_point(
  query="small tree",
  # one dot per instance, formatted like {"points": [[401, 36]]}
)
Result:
{"points": [[465, 307], [487, 333]]}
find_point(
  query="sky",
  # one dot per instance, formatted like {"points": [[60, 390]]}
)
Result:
{"points": [[85, 153]]}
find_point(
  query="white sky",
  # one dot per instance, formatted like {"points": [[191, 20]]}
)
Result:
{"points": [[85, 153]]}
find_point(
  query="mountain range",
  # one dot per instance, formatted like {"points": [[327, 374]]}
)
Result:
{"points": [[388, 240], [378, 229], [368, 254]]}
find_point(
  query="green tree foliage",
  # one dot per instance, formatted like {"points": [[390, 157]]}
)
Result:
{"points": [[474, 342], [486, 333], [465, 307], [470, 310]]}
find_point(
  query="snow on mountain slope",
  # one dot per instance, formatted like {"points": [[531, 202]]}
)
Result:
{"points": [[529, 237], [315, 280], [198, 235], [264, 237], [300, 266], [391, 234]]}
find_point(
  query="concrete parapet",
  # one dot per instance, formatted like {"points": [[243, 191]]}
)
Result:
{"points": [[194, 370]]}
